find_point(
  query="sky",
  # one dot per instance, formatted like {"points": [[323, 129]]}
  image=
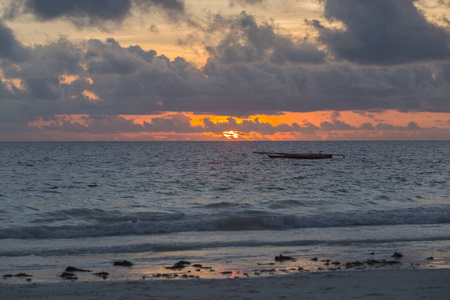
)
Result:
{"points": [[195, 70]]}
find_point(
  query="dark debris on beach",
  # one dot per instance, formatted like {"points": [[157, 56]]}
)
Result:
{"points": [[73, 269], [17, 275], [371, 262], [23, 275], [68, 276], [281, 258], [283, 265], [179, 265], [397, 255], [123, 263]]}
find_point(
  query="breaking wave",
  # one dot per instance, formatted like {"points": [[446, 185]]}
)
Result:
{"points": [[82, 223]]}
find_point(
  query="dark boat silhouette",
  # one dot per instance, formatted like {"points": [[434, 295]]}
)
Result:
{"points": [[319, 155]]}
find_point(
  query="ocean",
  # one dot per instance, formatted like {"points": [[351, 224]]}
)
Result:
{"points": [[220, 204]]}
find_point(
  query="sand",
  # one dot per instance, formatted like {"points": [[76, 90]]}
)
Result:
{"points": [[364, 284]]}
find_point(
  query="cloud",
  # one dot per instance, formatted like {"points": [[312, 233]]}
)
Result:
{"points": [[412, 126], [181, 124], [244, 76], [45, 64], [247, 40], [90, 13], [172, 8], [130, 80], [10, 47], [233, 3], [256, 126], [114, 124], [111, 58], [382, 32], [154, 29]]}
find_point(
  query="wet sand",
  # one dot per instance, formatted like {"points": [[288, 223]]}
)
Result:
{"points": [[372, 275], [372, 284]]}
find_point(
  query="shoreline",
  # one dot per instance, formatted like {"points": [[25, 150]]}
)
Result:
{"points": [[374, 276], [376, 284], [211, 264], [400, 270]]}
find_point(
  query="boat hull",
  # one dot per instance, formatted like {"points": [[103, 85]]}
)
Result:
{"points": [[302, 156]]}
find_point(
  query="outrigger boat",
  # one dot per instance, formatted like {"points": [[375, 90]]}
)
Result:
{"points": [[319, 155]]}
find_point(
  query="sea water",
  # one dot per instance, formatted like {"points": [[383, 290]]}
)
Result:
{"points": [[89, 203]]}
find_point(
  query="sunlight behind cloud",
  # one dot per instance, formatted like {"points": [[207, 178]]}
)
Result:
{"points": [[231, 134], [68, 79], [91, 96]]}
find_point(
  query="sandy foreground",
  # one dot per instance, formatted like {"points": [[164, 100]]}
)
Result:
{"points": [[368, 284]]}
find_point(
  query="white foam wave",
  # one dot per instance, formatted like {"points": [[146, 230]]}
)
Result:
{"points": [[120, 224]]}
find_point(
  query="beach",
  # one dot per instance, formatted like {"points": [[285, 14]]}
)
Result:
{"points": [[374, 284], [368, 276], [217, 220]]}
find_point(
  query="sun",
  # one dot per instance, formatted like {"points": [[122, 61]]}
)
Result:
{"points": [[231, 134]]}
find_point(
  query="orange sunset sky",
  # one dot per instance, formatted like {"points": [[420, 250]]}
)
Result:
{"points": [[182, 70]]}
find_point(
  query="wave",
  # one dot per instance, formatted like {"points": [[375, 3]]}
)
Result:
{"points": [[200, 245], [96, 223], [144, 247], [100, 216], [282, 204], [224, 204]]}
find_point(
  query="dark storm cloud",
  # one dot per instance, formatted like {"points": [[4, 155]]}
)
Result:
{"points": [[95, 10], [251, 69], [172, 8], [41, 71], [53, 59], [94, 124], [130, 80], [302, 53], [6, 93], [446, 71], [246, 2], [247, 40], [10, 47], [169, 5], [110, 58], [107, 124], [43, 88], [89, 12], [331, 87], [382, 32]]}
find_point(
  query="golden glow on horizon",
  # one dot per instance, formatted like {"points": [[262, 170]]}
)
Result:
{"points": [[344, 125], [423, 119], [231, 134]]}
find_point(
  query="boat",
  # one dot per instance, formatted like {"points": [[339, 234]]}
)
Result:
{"points": [[319, 155]]}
